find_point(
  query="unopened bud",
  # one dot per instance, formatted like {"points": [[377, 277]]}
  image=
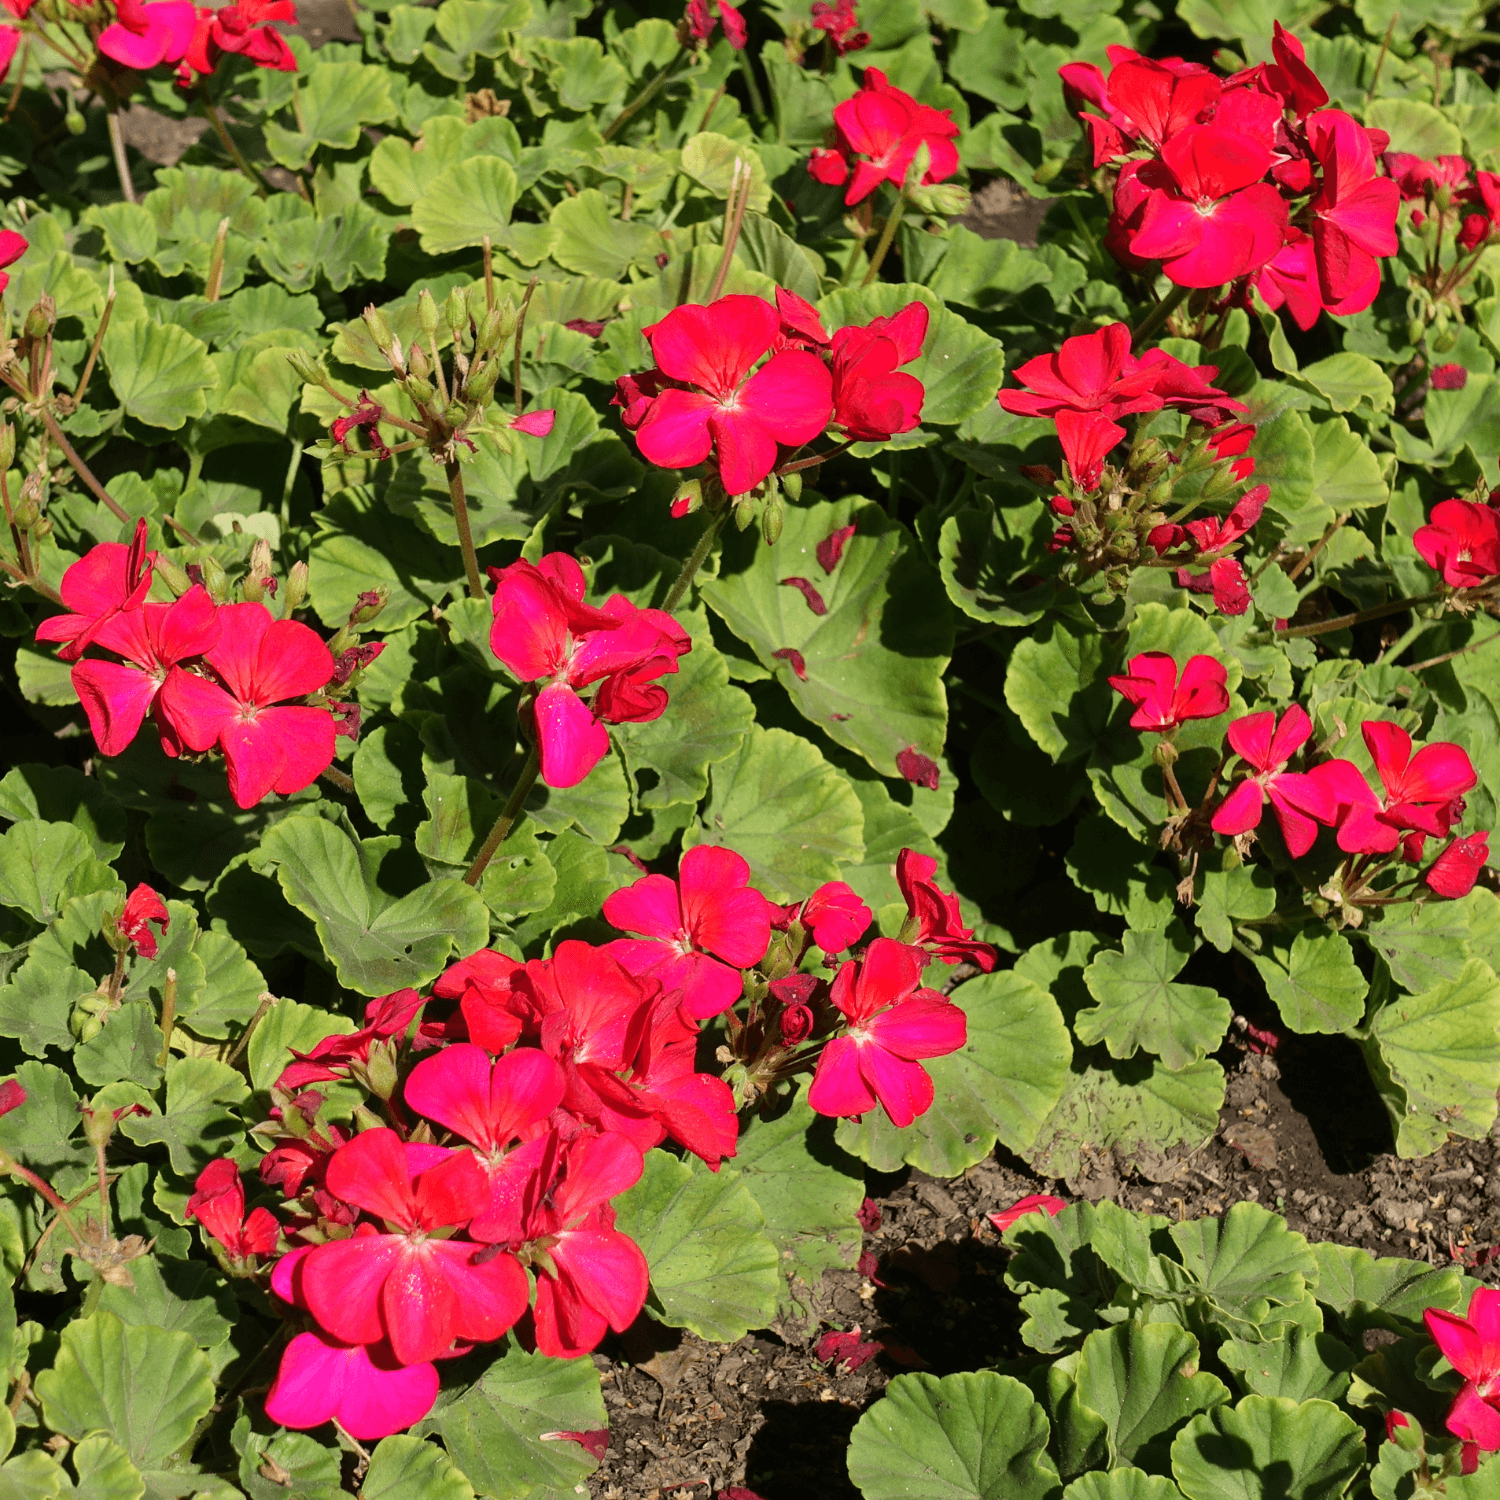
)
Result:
{"points": [[380, 330], [214, 579], [7, 446], [427, 313], [296, 588], [380, 1069], [170, 574], [308, 370], [368, 606], [75, 122], [744, 512], [27, 513], [771, 517], [420, 391], [40, 319], [792, 485], [689, 497], [419, 365], [1164, 753], [499, 323], [482, 383], [457, 414], [456, 313], [42, 530]]}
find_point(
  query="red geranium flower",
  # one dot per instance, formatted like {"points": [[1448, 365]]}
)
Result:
{"points": [[1461, 540], [698, 931], [839, 23], [933, 916], [1455, 870], [258, 664], [872, 402], [361, 1387], [1161, 700], [1037, 1203], [12, 245], [1472, 1346], [218, 1204], [833, 914], [892, 1024], [705, 399], [143, 906], [1353, 212], [1299, 802]]}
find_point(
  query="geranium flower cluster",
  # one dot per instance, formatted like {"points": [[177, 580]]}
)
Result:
{"points": [[141, 36], [1109, 517], [1420, 796], [1461, 542], [1471, 1344], [521, 1098], [1229, 181], [544, 633], [710, 393], [262, 691], [878, 132]]}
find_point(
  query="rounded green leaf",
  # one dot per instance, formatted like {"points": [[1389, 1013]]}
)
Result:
{"points": [[868, 670], [778, 803], [713, 1269], [1268, 1445], [465, 203], [1001, 1085], [508, 1432], [1315, 983], [978, 1436], [408, 1468], [591, 240], [1122, 1484], [159, 372], [145, 1387]]}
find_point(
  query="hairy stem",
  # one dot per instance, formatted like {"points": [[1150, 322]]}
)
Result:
{"points": [[520, 330], [1159, 315], [117, 149], [1359, 617], [883, 244], [211, 112], [508, 816], [699, 556], [734, 216], [465, 534], [646, 95], [1437, 661]]}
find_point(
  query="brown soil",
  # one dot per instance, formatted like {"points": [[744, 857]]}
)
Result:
{"points": [[1301, 1133], [1002, 211]]}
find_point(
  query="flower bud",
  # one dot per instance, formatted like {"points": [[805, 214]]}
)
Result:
{"points": [[380, 1069], [26, 513], [1164, 753], [420, 391], [419, 365], [215, 580], [368, 606], [75, 122], [482, 383], [380, 330], [1401, 1430], [771, 517], [7, 446], [40, 319], [170, 574], [457, 414], [744, 512], [427, 313], [689, 497], [792, 485], [296, 588], [42, 530], [308, 370], [498, 325], [456, 313]]}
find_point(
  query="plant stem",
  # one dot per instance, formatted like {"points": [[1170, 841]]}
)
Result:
{"points": [[734, 216], [465, 534], [1308, 558], [89, 363], [489, 275], [117, 147], [1437, 661], [1159, 314], [81, 469], [646, 95], [757, 102], [214, 119], [507, 819], [335, 777], [1385, 47], [168, 1017], [267, 1000], [699, 556], [892, 224], [521, 329], [1359, 617]]}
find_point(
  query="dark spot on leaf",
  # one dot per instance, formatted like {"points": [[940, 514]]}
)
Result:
{"points": [[793, 657], [813, 597]]}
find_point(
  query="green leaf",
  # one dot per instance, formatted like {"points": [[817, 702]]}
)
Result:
{"points": [[1135, 1377], [197, 1123], [41, 1134], [1131, 1107], [589, 239], [105, 1471], [709, 159], [127, 1048], [334, 100], [377, 943], [465, 203], [129, 231], [262, 388], [1138, 1007], [978, 1436], [1415, 126], [1425, 942], [778, 803], [581, 882], [1435, 1058], [1345, 380], [231, 990], [1346, 474], [159, 372], [987, 559], [1315, 984], [1268, 1445], [500, 1431], [1301, 1365], [713, 1269], [187, 1296], [807, 1189], [872, 665], [407, 1468], [1245, 893], [42, 864], [1055, 687], [1389, 1292], [145, 1387], [1001, 1085], [1122, 1484], [303, 1468], [289, 1025], [706, 722], [1246, 1262], [59, 794], [36, 1005], [960, 366]]}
